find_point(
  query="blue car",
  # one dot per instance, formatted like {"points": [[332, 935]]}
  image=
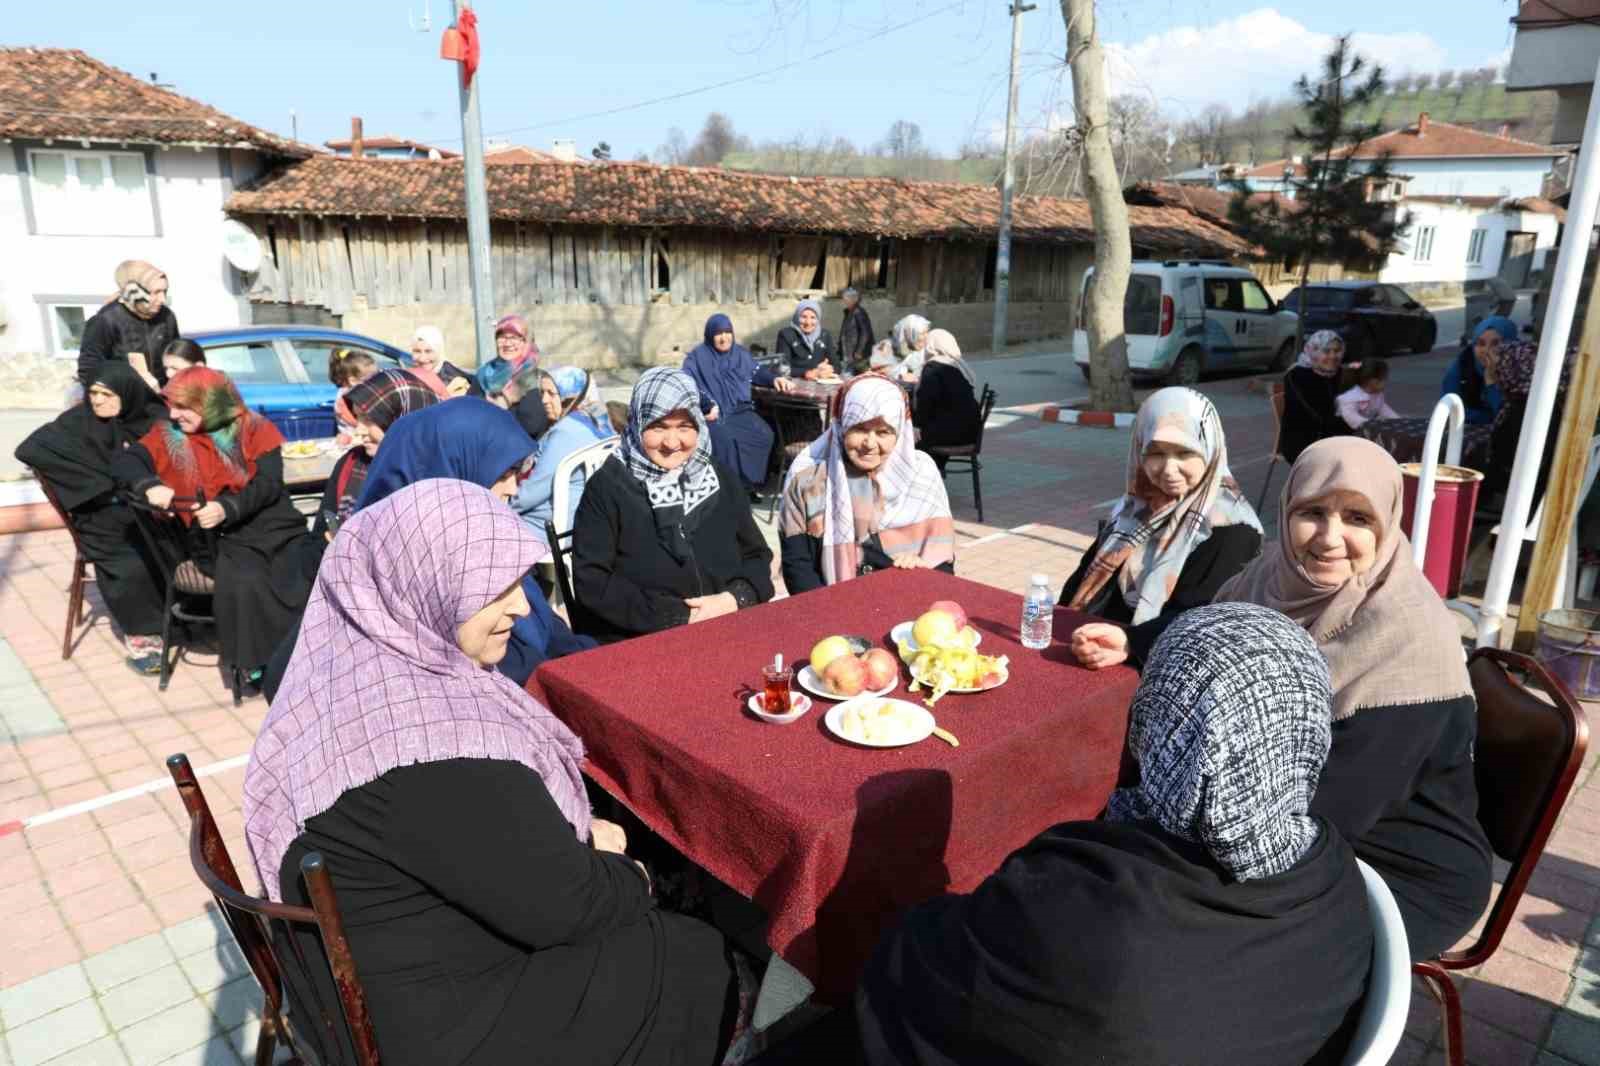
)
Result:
{"points": [[282, 371]]}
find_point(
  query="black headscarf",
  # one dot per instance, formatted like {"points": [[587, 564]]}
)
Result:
{"points": [[530, 413], [74, 452]]}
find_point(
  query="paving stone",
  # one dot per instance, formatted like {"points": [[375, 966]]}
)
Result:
{"points": [[211, 969], [56, 1033], [196, 934], [218, 1051], [128, 961], [38, 997], [1547, 1058], [1575, 1038], [1584, 999], [146, 996], [173, 1031], [103, 1052]]}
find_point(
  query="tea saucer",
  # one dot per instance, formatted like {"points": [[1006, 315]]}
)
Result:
{"points": [[799, 704]]}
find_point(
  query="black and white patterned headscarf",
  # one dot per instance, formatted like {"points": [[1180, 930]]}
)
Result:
{"points": [[1231, 726], [661, 391]]}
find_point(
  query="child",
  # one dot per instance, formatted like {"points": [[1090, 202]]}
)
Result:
{"points": [[1364, 401]]}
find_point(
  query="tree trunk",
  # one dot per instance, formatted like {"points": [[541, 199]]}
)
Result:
{"points": [[1110, 388]]}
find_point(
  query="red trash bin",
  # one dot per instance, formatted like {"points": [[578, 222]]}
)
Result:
{"points": [[1455, 495]]}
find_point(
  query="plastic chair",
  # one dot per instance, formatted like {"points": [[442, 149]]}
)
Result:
{"points": [[331, 1017], [968, 453], [1275, 398], [1388, 1000], [589, 459], [1528, 753], [76, 613]]}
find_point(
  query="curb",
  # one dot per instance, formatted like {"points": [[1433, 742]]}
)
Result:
{"points": [[1067, 416]]}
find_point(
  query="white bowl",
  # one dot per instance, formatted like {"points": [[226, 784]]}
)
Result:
{"points": [[799, 704]]}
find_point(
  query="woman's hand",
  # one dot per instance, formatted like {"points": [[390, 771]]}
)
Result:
{"points": [[159, 496], [608, 836], [910, 561], [705, 608], [211, 515], [783, 385], [1099, 645], [711, 415]]}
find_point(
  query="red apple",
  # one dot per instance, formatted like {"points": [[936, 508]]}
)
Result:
{"points": [[882, 669], [845, 675], [954, 610]]}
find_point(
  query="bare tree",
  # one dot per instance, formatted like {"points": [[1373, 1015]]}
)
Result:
{"points": [[1444, 79], [1138, 138], [1110, 388], [1422, 82], [1254, 128], [716, 139], [1401, 86], [675, 150], [903, 141]]}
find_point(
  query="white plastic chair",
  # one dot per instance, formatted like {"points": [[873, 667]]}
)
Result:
{"points": [[588, 458], [1383, 1012]]}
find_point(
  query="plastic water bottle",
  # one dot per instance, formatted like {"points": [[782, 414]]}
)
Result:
{"points": [[1038, 613]]}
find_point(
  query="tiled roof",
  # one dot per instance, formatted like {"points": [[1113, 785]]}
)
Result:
{"points": [[1210, 204], [1444, 140], [519, 153], [390, 141], [67, 94], [644, 194], [1539, 206]]}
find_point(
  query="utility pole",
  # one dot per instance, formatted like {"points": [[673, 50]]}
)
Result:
{"points": [[478, 259], [1002, 256]]}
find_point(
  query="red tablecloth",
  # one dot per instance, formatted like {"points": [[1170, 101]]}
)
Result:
{"points": [[832, 839]]}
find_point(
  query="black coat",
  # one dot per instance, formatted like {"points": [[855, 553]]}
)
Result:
{"points": [[855, 340], [625, 577], [485, 932], [114, 331], [1310, 411], [791, 349], [946, 409]]}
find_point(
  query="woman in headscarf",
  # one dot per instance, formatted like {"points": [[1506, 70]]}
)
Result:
{"points": [[375, 404], [1399, 783], [514, 348], [72, 456], [492, 917], [1311, 395], [134, 328], [580, 420], [805, 346], [429, 364], [910, 340], [469, 440], [1178, 534], [1511, 371], [947, 400], [862, 497], [663, 536], [724, 370], [220, 463], [1213, 918], [1467, 375]]}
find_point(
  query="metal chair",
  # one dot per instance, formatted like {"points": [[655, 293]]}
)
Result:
{"points": [[327, 1009], [1527, 755], [968, 453], [185, 558], [578, 618], [76, 613], [1388, 998], [795, 424], [1275, 398]]}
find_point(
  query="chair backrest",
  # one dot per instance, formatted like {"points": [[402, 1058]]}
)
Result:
{"points": [[1388, 999], [185, 555], [1526, 757], [578, 618], [1275, 397], [330, 1014], [55, 505], [588, 459], [795, 420], [985, 408]]}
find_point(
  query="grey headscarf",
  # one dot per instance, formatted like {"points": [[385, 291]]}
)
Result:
{"points": [[1231, 726], [816, 309]]}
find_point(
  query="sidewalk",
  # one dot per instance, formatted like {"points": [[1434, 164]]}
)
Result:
{"points": [[109, 952]]}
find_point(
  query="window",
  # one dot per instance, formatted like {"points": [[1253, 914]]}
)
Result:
{"points": [[1217, 294], [1475, 245], [248, 364], [314, 356], [1255, 297], [1422, 246], [90, 193], [1141, 307], [65, 322]]}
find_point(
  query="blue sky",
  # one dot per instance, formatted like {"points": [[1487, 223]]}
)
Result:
{"points": [[547, 65]]}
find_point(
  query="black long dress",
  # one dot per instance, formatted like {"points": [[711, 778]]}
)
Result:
{"points": [[791, 349], [1121, 945], [946, 410], [485, 932], [1214, 560], [855, 340], [1310, 411], [628, 578]]}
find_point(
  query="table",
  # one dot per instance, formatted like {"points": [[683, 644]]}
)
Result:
{"points": [[833, 840], [309, 475], [1403, 438]]}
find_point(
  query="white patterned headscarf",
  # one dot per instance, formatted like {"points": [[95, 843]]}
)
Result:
{"points": [[1152, 535], [1231, 726], [1323, 353], [661, 391]]}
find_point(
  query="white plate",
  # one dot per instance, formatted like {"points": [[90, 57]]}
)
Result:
{"points": [[924, 686], [813, 684], [901, 634], [922, 731], [799, 704]]}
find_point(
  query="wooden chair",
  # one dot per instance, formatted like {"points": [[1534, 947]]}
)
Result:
{"points": [[185, 558], [1528, 753], [1275, 397], [968, 453], [76, 613], [581, 620], [327, 1010]]}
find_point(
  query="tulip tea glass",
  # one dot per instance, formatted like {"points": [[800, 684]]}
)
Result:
{"points": [[775, 688]]}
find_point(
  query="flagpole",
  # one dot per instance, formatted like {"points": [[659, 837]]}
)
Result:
{"points": [[477, 195]]}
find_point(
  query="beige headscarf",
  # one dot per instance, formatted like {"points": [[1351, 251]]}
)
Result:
{"points": [[1388, 637], [941, 347], [135, 278]]}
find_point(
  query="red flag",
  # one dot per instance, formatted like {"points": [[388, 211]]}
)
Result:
{"points": [[467, 23]]}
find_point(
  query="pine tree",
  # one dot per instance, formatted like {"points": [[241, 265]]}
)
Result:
{"points": [[1333, 219]]}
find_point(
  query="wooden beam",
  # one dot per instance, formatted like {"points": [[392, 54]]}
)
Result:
{"points": [[1561, 490]]}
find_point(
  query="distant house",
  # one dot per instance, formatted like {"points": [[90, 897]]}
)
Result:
{"points": [[104, 167], [388, 146]]}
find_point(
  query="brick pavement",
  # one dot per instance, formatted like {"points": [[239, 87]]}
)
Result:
{"points": [[109, 952]]}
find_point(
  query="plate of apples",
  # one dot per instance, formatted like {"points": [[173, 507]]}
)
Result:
{"points": [[838, 671], [942, 625]]}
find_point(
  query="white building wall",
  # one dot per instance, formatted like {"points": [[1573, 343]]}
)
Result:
{"points": [[1453, 227], [1514, 178], [190, 189]]}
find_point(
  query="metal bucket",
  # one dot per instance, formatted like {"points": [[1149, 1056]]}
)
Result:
{"points": [[1568, 644], [1455, 496]]}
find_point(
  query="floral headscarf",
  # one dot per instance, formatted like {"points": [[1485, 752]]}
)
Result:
{"points": [[221, 458], [135, 279], [1323, 353]]}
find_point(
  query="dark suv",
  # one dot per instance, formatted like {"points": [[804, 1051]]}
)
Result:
{"points": [[1373, 318]]}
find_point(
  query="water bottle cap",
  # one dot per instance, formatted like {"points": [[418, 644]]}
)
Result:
{"points": [[1039, 579]]}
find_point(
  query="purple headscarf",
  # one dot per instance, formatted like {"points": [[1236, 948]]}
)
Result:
{"points": [[377, 680]]}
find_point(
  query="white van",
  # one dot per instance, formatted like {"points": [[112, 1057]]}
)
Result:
{"points": [[1185, 318]]}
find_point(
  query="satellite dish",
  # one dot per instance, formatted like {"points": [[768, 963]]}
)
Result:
{"points": [[240, 246]]}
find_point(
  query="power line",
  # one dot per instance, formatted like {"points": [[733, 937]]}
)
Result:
{"points": [[812, 58]]}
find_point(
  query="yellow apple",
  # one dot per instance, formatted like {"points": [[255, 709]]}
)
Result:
{"points": [[935, 629], [828, 649]]}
